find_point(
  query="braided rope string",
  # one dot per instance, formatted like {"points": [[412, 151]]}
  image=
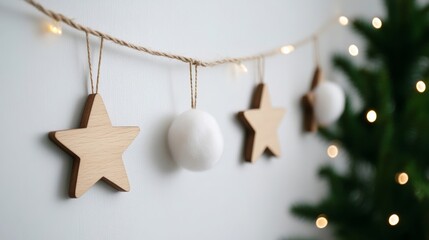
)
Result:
{"points": [[194, 87], [88, 50], [61, 18]]}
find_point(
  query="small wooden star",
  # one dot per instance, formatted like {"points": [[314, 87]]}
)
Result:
{"points": [[97, 148], [262, 122], [310, 122]]}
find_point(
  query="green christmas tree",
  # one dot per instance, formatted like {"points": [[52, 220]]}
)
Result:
{"points": [[366, 201]]}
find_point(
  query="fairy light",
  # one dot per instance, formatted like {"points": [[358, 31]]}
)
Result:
{"points": [[377, 23], [55, 28], [332, 151], [321, 221], [393, 219], [353, 50], [402, 178], [287, 49], [242, 67], [371, 116], [420, 86], [343, 20]]}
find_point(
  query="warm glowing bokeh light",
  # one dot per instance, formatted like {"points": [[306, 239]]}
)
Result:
{"points": [[321, 221], [353, 50], [287, 49], [393, 219], [371, 116], [420, 86], [343, 20], [376, 23], [242, 67], [55, 28], [332, 151], [402, 178]]}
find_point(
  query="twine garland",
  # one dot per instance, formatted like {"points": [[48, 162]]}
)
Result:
{"points": [[193, 61]]}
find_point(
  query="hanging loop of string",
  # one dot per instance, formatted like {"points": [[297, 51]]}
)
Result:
{"points": [[261, 69], [316, 50], [194, 84], [317, 77], [88, 48]]}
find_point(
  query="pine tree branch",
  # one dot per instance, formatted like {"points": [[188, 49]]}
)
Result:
{"points": [[350, 70]]}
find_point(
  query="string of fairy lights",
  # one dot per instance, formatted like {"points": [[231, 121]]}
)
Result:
{"points": [[333, 149]]}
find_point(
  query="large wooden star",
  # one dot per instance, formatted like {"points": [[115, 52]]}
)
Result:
{"points": [[97, 148], [262, 123]]}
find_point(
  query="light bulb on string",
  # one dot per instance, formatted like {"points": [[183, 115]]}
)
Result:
{"points": [[343, 20], [287, 49], [371, 116], [393, 219], [332, 151], [402, 178], [321, 221], [353, 50], [242, 68], [377, 23], [54, 27], [420, 86]]}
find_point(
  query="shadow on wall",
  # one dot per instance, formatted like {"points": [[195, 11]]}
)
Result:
{"points": [[66, 168], [158, 149], [63, 183]]}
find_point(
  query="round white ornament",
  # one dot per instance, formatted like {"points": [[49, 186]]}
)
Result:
{"points": [[329, 102], [195, 140]]}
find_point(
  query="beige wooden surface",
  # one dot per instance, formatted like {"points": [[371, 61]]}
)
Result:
{"points": [[97, 148], [310, 123], [262, 123]]}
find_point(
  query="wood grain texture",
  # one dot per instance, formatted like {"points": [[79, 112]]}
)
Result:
{"points": [[97, 148], [262, 122], [307, 101]]}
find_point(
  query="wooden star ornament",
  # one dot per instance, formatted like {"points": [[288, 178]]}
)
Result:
{"points": [[310, 122], [262, 123], [97, 148]]}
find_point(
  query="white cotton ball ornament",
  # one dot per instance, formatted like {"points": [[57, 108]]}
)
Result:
{"points": [[329, 102], [195, 140]]}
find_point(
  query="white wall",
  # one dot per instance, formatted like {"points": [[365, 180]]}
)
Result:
{"points": [[44, 84]]}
